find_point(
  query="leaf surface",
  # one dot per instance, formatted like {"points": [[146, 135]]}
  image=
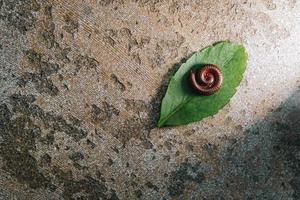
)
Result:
{"points": [[181, 105]]}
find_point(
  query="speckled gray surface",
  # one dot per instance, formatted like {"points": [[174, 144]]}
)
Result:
{"points": [[80, 89]]}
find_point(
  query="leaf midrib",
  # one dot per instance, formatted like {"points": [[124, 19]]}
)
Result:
{"points": [[174, 111]]}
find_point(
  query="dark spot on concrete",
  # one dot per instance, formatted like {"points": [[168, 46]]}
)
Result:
{"points": [[137, 106], [125, 32], [76, 156], [75, 120], [47, 32], [100, 176], [19, 136], [110, 162], [167, 158], [63, 55], [43, 85], [158, 59], [71, 24], [133, 42], [115, 149], [103, 114], [48, 139], [60, 124], [79, 166], [23, 104], [19, 14], [174, 6], [210, 148], [168, 145], [113, 195], [136, 58], [151, 4], [189, 147], [132, 128], [187, 172], [144, 41], [40, 78], [239, 128], [118, 83], [60, 77], [152, 186], [86, 62], [90, 143], [147, 144], [138, 193], [46, 69], [45, 160], [270, 4], [87, 188], [48, 11], [139, 127], [110, 2], [33, 57], [110, 37]]}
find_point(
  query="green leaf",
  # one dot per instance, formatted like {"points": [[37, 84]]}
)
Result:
{"points": [[181, 105]]}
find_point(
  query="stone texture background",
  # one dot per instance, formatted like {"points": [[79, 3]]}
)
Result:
{"points": [[81, 84]]}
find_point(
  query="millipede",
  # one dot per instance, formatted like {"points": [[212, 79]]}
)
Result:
{"points": [[206, 80]]}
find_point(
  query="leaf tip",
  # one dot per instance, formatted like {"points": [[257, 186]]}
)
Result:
{"points": [[160, 124]]}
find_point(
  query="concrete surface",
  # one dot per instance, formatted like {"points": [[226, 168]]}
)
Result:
{"points": [[81, 84]]}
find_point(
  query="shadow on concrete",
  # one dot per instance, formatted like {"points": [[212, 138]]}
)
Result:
{"points": [[262, 164], [265, 163]]}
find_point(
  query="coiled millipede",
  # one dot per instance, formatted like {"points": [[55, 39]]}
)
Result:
{"points": [[206, 80]]}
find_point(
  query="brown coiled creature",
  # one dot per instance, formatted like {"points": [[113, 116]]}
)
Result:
{"points": [[207, 80]]}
